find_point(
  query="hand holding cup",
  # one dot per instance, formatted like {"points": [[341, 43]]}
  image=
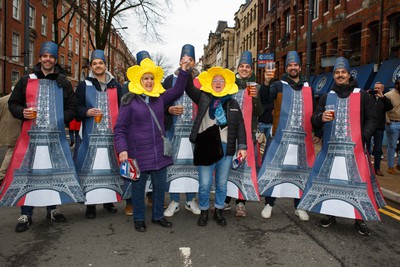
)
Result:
{"points": [[30, 112], [329, 113]]}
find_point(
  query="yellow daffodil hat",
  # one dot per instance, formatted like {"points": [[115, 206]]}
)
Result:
{"points": [[206, 78], [136, 72]]}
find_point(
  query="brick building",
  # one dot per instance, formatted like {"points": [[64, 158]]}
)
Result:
{"points": [[74, 51], [339, 28]]}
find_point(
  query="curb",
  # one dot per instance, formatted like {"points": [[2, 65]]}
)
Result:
{"points": [[391, 195]]}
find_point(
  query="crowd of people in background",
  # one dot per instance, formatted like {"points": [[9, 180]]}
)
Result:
{"points": [[110, 124]]}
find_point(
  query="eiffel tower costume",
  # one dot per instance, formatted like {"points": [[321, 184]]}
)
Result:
{"points": [[97, 163], [42, 172], [340, 183], [289, 159]]}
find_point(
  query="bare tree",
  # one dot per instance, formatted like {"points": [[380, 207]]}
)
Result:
{"points": [[70, 9], [161, 60], [102, 14]]}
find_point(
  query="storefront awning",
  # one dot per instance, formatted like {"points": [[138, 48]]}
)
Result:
{"points": [[363, 75], [388, 73], [322, 83]]}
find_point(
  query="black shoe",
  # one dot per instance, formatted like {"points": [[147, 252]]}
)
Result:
{"points": [[163, 222], [55, 216], [219, 217], [110, 207], [202, 221], [140, 226], [362, 228], [23, 223], [72, 143], [327, 221], [90, 211]]}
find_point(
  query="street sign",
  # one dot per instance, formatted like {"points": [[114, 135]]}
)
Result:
{"points": [[262, 59]]}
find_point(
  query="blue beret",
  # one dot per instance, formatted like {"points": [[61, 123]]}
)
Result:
{"points": [[292, 57], [98, 54], [188, 50], [49, 47], [142, 55]]}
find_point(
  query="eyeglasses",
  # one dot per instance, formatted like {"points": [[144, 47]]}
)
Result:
{"points": [[218, 81]]}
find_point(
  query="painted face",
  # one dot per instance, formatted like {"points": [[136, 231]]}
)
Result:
{"points": [[244, 70], [341, 77], [147, 81], [218, 83], [293, 69], [47, 62], [98, 66]]}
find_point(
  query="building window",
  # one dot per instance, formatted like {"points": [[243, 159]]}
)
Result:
{"points": [[373, 43], [301, 12], [84, 50], [316, 9], [44, 25], [76, 71], [394, 35], [62, 37], [337, 2], [77, 46], [268, 4], [70, 42], [45, 3], [77, 29], [31, 53], [14, 76], [16, 11], [326, 6], [62, 61], [335, 46], [16, 47], [63, 11], [53, 32], [32, 16], [353, 38], [287, 21]]}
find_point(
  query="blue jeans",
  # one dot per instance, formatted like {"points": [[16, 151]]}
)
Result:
{"points": [[377, 150], [392, 132], [222, 169], [177, 197], [265, 129], [28, 210], [159, 181]]}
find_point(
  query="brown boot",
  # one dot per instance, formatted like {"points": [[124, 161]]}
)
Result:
{"points": [[391, 171]]}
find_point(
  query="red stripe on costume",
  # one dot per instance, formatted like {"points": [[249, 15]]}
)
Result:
{"points": [[22, 143], [308, 111], [113, 105], [247, 117], [359, 153]]}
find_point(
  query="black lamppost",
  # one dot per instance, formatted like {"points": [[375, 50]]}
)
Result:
{"points": [[309, 37], [26, 37]]}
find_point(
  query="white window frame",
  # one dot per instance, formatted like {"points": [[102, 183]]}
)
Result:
{"points": [[70, 48], [77, 20], [76, 46], [43, 27], [287, 21], [16, 9], [32, 17], [16, 74], [53, 32], [62, 35], [63, 11], [76, 70], [62, 61], [316, 9], [31, 53], [45, 3], [16, 46]]}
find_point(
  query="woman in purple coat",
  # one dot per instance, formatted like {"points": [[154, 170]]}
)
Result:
{"points": [[137, 134]]}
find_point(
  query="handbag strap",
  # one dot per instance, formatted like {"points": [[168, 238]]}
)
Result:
{"points": [[153, 115]]}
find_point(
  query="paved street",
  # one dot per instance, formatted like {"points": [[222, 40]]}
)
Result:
{"points": [[110, 240]]}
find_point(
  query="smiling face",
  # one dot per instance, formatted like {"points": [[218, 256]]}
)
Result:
{"points": [[341, 77], [244, 70], [47, 62], [293, 69], [218, 83], [98, 67], [147, 81]]}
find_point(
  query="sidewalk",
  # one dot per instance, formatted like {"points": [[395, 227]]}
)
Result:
{"points": [[390, 184]]}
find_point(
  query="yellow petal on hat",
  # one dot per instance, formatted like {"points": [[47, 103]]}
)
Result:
{"points": [[206, 78]]}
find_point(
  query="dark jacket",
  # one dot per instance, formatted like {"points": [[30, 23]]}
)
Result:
{"points": [[381, 106], [81, 95], [368, 116], [17, 101], [236, 130], [268, 105]]}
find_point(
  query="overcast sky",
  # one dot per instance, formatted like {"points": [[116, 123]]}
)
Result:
{"points": [[190, 22]]}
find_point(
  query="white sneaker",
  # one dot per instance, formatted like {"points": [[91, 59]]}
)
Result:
{"points": [[173, 207], [192, 206], [302, 215], [227, 206], [266, 212]]}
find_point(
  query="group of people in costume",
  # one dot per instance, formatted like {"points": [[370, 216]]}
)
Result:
{"points": [[211, 120]]}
